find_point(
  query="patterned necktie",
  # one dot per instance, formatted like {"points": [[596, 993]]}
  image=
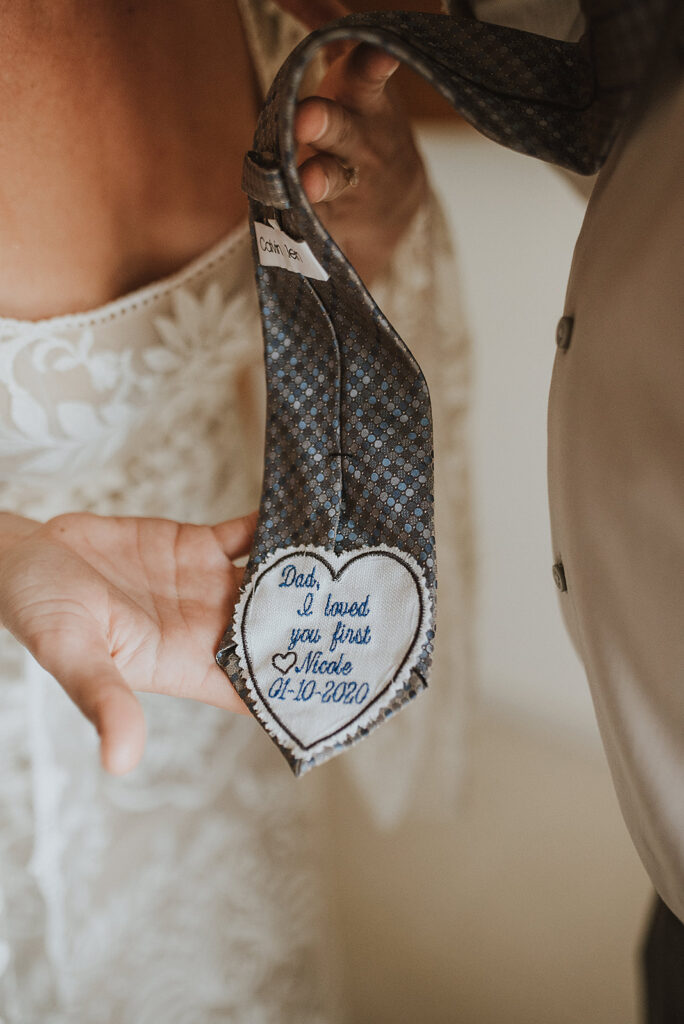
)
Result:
{"points": [[334, 628]]}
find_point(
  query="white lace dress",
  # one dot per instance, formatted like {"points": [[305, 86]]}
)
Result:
{"points": [[187, 892]]}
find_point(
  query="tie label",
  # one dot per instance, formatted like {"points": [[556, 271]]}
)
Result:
{"points": [[277, 249], [326, 642]]}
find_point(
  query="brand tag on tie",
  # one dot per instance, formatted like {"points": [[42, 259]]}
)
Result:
{"points": [[277, 249]]}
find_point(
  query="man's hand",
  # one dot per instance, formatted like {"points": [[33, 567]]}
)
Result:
{"points": [[365, 174], [113, 605], [360, 165]]}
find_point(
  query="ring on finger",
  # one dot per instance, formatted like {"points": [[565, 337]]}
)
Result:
{"points": [[351, 175]]}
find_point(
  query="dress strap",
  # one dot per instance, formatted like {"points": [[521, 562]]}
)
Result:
{"points": [[271, 35]]}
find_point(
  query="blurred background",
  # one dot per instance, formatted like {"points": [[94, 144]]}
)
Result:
{"points": [[528, 904]]}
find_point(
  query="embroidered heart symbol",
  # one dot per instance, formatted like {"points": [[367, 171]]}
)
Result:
{"points": [[284, 662], [352, 627]]}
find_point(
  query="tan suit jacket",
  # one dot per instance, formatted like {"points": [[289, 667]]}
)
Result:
{"points": [[616, 456]]}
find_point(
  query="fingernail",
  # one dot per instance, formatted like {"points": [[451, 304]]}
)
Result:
{"points": [[117, 760], [324, 126], [121, 756]]}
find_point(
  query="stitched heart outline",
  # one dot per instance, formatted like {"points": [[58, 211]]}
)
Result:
{"points": [[284, 662], [410, 650]]}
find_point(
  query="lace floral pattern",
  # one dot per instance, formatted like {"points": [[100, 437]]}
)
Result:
{"points": [[79, 433], [179, 408], [187, 892]]}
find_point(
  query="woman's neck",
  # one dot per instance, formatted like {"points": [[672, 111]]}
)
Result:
{"points": [[121, 141]]}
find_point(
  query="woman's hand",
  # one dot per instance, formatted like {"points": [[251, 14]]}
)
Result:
{"points": [[112, 605], [364, 171]]}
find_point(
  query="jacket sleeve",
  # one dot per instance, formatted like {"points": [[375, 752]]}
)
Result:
{"points": [[559, 19]]}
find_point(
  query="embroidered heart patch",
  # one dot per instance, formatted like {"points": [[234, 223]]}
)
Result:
{"points": [[327, 641]]}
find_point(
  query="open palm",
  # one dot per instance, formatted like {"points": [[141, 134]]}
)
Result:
{"points": [[110, 605]]}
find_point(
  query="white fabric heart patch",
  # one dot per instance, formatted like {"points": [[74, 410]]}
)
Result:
{"points": [[326, 641]]}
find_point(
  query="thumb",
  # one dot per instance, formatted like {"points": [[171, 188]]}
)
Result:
{"points": [[89, 676], [236, 536]]}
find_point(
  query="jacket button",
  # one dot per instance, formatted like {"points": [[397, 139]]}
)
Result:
{"points": [[559, 577], [564, 332]]}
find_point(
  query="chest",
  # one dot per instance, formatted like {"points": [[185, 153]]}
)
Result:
{"points": [[120, 153]]}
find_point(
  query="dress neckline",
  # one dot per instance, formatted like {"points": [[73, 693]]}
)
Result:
{"points": [[215, 254], [143, 296]]}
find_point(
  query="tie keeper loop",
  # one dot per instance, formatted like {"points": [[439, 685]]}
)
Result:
{"points": [[262, 180]]}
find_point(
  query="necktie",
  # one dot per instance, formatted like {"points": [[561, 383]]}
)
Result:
{"points": [[333, 632]]}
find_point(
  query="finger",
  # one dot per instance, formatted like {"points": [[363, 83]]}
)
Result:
{"points": [[217, 690], [236, 535], [314, 13], [326, 125], [323, 178], [364, 75], [14, 528], [118, 717], [93, 682]]}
